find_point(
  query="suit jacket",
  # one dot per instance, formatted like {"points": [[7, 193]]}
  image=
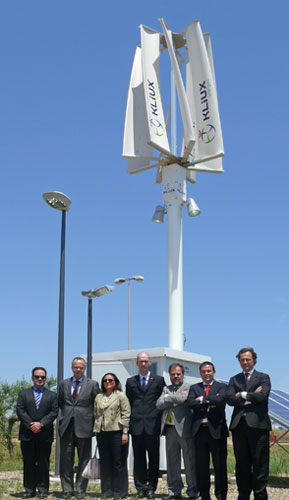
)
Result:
{"points": [[257, 410], [181, 414], [81, 411], [213, 406], [115, 415], [28, 413], [144, 415]]}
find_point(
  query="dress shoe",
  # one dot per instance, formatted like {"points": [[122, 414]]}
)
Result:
{"points": [[66, 495], [150, 494], [141, 494], [172, 497], [79, 496], [42, 495], [28, 495]]}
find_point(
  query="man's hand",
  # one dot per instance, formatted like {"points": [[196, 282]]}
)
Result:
{"points": [[35, 427], [259, 389], [182, 393], [238, 394]]}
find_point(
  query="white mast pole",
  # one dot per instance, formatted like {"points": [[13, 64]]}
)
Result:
{"points": [[174, 195]]}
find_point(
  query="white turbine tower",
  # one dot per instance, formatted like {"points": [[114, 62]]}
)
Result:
{"points": [[146, 143]]}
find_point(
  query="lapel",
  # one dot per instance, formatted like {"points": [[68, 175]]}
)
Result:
{"points": [[31, 399], [150, 381], [241, 381], [112, 398], [42, 402], [83, 387]]}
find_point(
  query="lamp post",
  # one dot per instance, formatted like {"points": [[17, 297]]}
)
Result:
{"points": [[120, 281], [91, 294], [61, 202]]}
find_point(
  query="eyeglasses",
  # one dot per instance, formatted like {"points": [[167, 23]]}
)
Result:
{"points": [[108, 380], [42, 377]]}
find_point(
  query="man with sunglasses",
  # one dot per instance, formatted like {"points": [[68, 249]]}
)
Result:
{"points": [[76, 400], [36, 409]]}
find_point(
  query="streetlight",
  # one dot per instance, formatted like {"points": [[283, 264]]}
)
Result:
{"points": [[91, 294], [61, 202], [120, 281]]}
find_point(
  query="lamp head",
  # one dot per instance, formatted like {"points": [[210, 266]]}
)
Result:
{"points": [[97, 292], [159, 214], [192, 208], [119, 281], [57, 200]]}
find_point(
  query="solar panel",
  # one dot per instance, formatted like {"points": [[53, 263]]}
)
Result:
{"points": [[279, 407]]}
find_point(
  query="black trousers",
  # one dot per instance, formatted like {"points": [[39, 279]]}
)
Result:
{"points": [[35, 455], [146, 477], [68, 443], [205, 445], [251, 448], [113, 464]]}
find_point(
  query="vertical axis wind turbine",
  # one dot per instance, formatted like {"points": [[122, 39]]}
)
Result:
{"points": [[146, 143]]}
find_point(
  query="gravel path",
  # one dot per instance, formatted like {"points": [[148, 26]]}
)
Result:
{"points": [[11, 488]]}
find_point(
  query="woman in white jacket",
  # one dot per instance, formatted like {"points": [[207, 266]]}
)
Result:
{"points": [[112, 413]]}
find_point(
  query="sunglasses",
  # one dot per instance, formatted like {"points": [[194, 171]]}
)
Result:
{"points": [[108, 380], [42, 377]]}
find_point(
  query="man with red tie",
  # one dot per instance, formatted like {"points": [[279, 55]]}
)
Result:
{"points": [[208, 400]]}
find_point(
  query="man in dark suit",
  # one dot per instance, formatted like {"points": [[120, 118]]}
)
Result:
{"points": [[76, 399], [36, 409], [208, 400], [177, 427], [143, 390], [248, 392]]}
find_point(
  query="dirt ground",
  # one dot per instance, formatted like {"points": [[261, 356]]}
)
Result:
{"points": [[11, 488]]}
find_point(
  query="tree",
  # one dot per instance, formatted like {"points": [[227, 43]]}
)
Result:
{"points": [[8, 400]]}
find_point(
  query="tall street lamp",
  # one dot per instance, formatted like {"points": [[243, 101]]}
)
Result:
{"points": [[120, 281], [61, 202], [91, 294]]}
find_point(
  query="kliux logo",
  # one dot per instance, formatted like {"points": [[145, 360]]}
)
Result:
{"points": [[157, 126], [207, 134], [152, 97]]}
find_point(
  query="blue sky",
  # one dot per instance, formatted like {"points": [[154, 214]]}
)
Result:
{"points": [[65, 69]]}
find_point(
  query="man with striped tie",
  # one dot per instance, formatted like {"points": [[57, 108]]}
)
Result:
{"points": [[37, 409]]}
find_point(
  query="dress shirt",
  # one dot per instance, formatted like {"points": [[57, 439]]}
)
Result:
{"points": [[244, 393], [146, 377], [39, 391], [205, 420], [73, 384]]}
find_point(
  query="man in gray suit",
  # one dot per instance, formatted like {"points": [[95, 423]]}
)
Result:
{"points": [[177, 427], [75, 399]]}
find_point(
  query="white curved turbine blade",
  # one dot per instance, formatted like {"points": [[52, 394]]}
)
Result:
{"points": [[150, 46], [202, 98], [189, 136], [136, 132]]}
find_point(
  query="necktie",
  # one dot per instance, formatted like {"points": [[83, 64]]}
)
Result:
{"points": [[75, 392], [169, 415], [143, 383], [207, 388], [247, 375], [37, 398]]}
